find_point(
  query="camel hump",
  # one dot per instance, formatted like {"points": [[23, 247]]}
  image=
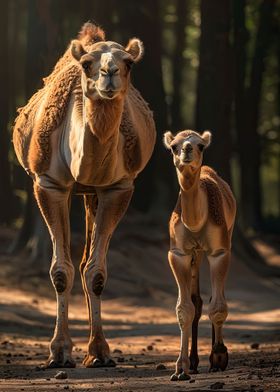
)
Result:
{"points": [[91, 33]]}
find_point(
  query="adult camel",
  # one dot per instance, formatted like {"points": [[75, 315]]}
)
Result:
{"points": [[89, 129]]}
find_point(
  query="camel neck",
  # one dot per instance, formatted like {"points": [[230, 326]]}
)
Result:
{"points": [[192, 201], [104, 117]]}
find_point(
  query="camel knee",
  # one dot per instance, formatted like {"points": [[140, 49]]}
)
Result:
{"points": [[218, 312], [62, 278], [185, 314], [95, 281]]}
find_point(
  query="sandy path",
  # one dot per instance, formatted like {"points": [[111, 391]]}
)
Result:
{"points": [[134, 323]]}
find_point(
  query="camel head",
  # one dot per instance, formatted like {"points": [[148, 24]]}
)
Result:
{"points": [[106, 67], [187, 148]]}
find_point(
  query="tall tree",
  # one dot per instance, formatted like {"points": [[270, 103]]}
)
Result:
{"points": [[240, 64], [251, 162], [141, 19], [214, 88], [5, 178], [178, 63], [41, 51]]}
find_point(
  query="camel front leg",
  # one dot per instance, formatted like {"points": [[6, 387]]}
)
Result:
{"points": [[197, 301], [180, 264], [112, 204], [54, 206], [218, 310]]}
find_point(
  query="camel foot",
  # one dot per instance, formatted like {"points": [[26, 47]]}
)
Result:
{"points": [[180, 377], [53, 363], [183, 376], [218, 358], [194, 361], [174, 377], [93, 362]]}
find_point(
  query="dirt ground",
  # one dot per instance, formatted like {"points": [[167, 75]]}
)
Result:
{"points": [[139, 322]]}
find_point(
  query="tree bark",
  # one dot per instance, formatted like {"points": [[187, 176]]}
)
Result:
{"points": [[214, 88], [178, 64], [251, 198], [158, 177], [42, 48], [6, 194]]}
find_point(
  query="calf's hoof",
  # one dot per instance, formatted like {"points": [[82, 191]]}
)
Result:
{"points": [[193, 365], [53, 363], [218, 357], [180, 377], [93, 362]]}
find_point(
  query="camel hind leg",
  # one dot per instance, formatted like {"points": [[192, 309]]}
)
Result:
{"points": [[197, 301], [218, 310]]}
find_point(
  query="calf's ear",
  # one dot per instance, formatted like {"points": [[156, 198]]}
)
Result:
{"points": [[167, 139], [207, 137]]}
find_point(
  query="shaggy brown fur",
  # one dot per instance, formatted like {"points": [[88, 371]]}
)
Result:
{"points": [[216, 188], [57, 90], [132, 153], [104, 126]]}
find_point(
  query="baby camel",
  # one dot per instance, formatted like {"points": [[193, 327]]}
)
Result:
{"points": [[202, 221]]}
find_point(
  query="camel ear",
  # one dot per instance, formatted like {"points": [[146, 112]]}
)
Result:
{"points": [[207, 137], [77, 49], [135, 48], [167, 139]]}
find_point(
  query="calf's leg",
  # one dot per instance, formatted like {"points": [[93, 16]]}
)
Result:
{"points": [[180, 264], [218, 310]]}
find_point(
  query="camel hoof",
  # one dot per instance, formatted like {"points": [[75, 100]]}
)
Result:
{"points": [[53, 364], [184, 377], [218, 358], [194, 361], [174, 377], [98, 363]]}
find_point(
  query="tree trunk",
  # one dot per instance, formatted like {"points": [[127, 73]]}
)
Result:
{"points": [[41, 50], [178, 64], [157, 178], [5, 178], [251, 162], [240, 61], [214, 89]]}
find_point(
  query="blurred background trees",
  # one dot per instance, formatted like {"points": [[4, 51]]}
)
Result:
{"points": [[207, 65]]}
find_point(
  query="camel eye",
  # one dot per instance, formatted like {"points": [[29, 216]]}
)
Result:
{"points": [[86, 65], [200, 147], [174, 148]]}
